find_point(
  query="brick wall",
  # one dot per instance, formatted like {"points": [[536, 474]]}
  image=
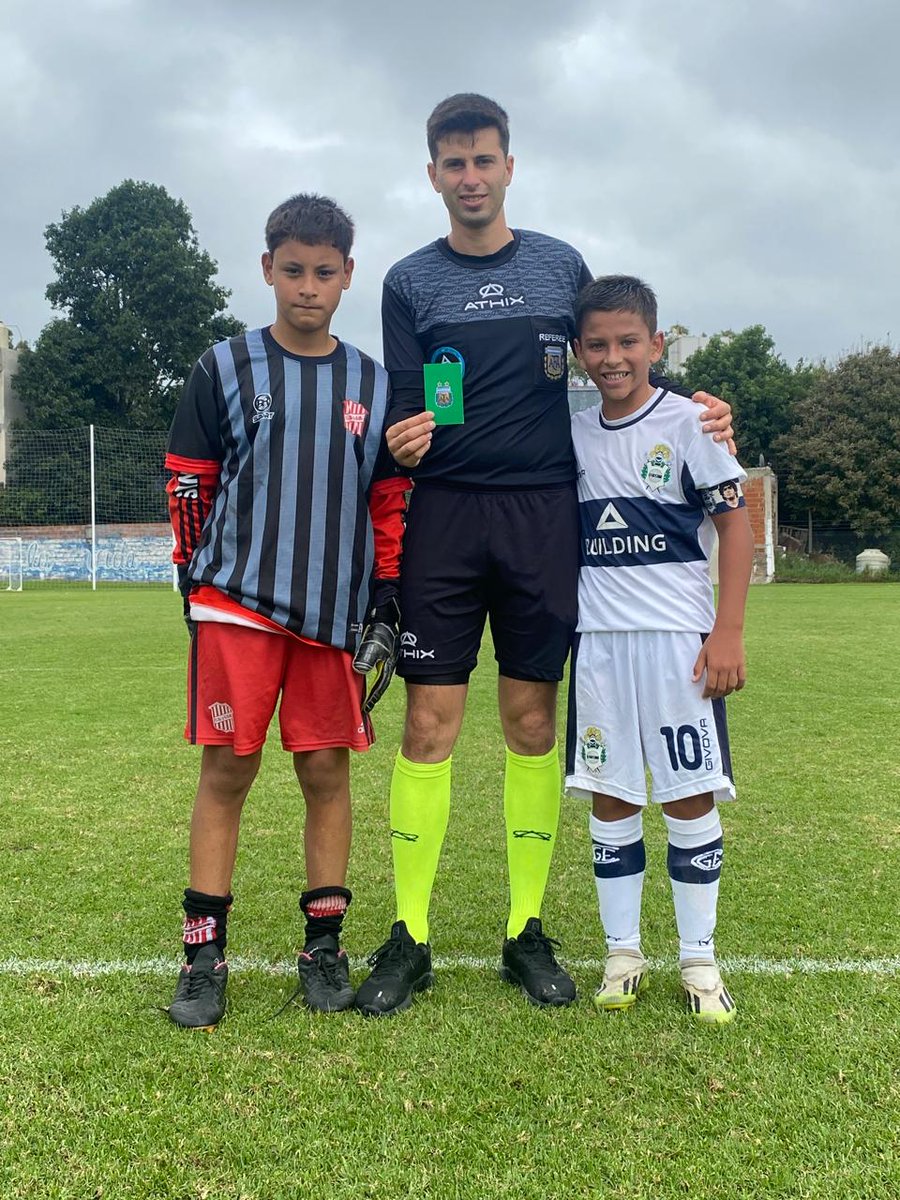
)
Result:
{"points": [[761, 496]]}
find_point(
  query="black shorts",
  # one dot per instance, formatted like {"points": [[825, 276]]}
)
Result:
{"points": [[510, 556]]}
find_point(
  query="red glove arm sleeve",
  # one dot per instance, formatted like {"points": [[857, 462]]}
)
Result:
{"points": [[387, 508], [190, 489]]}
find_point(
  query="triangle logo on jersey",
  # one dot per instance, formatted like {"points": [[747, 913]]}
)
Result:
{"points": [[610, 518]]}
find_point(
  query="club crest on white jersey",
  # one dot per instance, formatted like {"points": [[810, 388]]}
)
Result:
{"points": [[657, 469]]}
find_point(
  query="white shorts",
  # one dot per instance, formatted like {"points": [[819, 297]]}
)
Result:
{"points": [[633, 708]]}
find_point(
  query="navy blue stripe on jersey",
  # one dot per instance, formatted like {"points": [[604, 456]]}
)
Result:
{"points": [[700, 864], [689, 488], [622, 531]]}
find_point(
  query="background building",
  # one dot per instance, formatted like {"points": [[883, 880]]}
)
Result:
{"points": [[10, 409], [682, 346]]}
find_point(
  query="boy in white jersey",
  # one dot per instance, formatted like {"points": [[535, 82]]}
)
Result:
{"points": [[652, 660]]}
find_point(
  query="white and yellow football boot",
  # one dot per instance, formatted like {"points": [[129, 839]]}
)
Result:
{"points": [[625, 976], [707, 997]]}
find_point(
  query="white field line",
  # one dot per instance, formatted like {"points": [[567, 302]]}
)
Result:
{"points": [[96, 968]]}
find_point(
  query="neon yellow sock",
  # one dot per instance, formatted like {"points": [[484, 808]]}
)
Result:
{"points": [[420, 809], [531, 792]]}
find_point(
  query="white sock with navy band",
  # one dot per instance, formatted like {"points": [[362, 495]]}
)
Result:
{"points": [[619, 862], [695, 864]]}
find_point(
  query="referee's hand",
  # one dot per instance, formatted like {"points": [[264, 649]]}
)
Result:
{"points": [[409, 440]]}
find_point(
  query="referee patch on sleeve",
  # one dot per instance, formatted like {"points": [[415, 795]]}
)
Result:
{"points": [[723, 497]]}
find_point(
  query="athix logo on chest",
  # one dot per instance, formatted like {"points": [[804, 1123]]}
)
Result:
{"points": [[493, 295], [355, 417]]}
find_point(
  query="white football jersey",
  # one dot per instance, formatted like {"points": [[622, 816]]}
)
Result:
{"points": [[647, 484]]}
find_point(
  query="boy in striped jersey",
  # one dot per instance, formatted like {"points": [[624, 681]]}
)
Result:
{"points": [[652, 659], [288, 520]]}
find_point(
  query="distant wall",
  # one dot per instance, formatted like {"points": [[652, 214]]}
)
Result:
{"points": [[125, 553]]}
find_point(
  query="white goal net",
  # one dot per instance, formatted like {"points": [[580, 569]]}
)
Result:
{"points": [[11, 564], [85, 507]]}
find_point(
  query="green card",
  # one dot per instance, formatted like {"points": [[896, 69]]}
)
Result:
{"points": [[443, 392]]}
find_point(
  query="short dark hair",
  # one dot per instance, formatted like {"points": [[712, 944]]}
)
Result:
{"points": [[310, 219], [616, 293], [466, 112]]}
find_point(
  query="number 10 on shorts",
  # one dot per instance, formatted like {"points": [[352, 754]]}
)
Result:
{"points": [[688, 747]]}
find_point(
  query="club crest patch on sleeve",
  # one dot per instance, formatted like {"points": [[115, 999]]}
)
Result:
{"points": [[657, 469], [593, 749]]}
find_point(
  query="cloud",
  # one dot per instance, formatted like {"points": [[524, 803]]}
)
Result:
{"points": [[740, 157]]}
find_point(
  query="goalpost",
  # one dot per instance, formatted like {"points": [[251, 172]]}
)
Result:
{"points": [[85, 507], [11, 564]]}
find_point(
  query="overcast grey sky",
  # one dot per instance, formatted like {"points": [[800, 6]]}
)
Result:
{"points": [[742, 157]]}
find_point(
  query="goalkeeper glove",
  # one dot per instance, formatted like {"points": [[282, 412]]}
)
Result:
{"points": [[377, 653], [184, 587]]}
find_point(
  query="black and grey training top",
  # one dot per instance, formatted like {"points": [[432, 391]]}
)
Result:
{"points": [[507, 317]]}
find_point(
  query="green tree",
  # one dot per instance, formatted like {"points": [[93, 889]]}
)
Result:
{"points": [[745, 370], [140, 305], [841, 456]]}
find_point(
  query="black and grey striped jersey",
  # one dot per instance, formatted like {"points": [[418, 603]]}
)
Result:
{"points": [[294, 442], [507, 317]]}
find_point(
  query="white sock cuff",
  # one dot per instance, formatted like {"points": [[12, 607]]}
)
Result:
{"points": [[699, 831], [618, 833]]}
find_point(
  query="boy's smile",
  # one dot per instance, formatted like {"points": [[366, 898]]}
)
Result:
{"points": [[308, 282], [617, 350]]}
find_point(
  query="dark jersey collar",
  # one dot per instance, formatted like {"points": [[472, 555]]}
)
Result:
{"points": [[632, 419], [482, 261]]}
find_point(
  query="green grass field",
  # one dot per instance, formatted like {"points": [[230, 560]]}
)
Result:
{"points": [[472, 1094]]}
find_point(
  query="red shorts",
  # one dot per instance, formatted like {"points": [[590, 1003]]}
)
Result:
{"points": [[236, 674]]}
